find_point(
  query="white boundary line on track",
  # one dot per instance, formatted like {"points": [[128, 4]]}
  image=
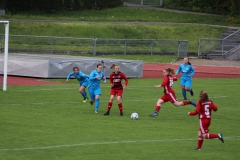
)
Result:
{"points": [[107, 143]]}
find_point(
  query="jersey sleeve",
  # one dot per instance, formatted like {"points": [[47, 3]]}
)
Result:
{"points": [[174, 78], [197, 110], [215, 108], [111, 79], [70, 75], [92, 75], [81, 74], [103, 77], [193, 71], [125, 78], [178, 70], [165, 80]]}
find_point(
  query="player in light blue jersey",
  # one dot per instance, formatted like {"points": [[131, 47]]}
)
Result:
{"points": [[83, 80], [186, 78], [94, 87]]}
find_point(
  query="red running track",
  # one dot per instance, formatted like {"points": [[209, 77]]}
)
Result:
{"points": [[154, 70]]}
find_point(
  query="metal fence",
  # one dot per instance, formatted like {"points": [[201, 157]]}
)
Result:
{"points": [[144, 2], [219, 47], [91, 46]]}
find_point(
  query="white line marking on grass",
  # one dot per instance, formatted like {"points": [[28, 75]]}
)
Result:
{"points": [[75, 102], [106, 143]]}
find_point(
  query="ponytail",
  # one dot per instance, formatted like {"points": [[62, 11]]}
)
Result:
{"points": [[170, 70], [113, 66], [188, 61]]}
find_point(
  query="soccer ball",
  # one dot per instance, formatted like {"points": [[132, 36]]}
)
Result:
{"points": [[134, 116]]}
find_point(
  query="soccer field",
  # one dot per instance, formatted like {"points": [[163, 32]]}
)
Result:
{"points": [[52, 122]]}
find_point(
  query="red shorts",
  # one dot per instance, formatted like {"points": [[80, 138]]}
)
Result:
{"points": [[204, 124], [116, 92], [169, 97]]}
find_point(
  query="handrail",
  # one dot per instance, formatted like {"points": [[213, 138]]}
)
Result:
{"points": [[231, 34]]}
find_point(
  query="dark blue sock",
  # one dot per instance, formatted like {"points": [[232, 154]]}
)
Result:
{"points": [[184, 93]]}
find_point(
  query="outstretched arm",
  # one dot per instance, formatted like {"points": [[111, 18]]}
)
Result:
{"points": [[178, 70], [70, 75], [164, 82], [197, 110], [83, 75]]}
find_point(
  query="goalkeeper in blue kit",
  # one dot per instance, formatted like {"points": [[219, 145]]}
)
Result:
{"points": [[83, 80], [94, 87], [186, 78]]}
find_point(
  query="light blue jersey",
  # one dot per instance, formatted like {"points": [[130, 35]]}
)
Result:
{"points": [[94, 87], [82, 78], [94, 82], [187, 71], [186, 78]]}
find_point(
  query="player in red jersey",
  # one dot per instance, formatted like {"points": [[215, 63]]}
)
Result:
{"points": [[169, 94], [116, 88], [204, 110]]}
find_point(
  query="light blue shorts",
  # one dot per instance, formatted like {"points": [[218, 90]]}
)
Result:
{"points": [[187, 82], [94, 92], [84, 83]]}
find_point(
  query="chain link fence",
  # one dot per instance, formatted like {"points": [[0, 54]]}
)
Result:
{"points": [[90, 46]]}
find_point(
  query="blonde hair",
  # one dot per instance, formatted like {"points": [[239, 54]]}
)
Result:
{"points": [[113, 66], [170, 70], [203, 97]]}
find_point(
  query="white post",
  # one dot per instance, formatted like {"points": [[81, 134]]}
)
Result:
{"points": [[5, 56]]}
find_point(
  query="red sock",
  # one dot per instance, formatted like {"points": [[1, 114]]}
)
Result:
{"points": [[200, 142], [211, 136], [186, 102], [158, 108], [120, 107], [109, 106]]}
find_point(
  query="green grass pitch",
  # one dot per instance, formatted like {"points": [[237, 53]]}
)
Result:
{"points": [[52, 122]]}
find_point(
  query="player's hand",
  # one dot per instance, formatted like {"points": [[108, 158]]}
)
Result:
{"points": [[188, 113], [98, 77], [157, 86], [124, 86]]}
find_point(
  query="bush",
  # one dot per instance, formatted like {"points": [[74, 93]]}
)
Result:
{"points": [[52, 5]]}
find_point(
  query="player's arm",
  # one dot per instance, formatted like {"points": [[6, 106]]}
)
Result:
{"points": [[174, 78], [104, 78], [126, 80], [92, 75], [197, 110], [111, 80], [164, 82], [70, 75], [178, 70], [193, 72], [83, 75], [215, 108]]}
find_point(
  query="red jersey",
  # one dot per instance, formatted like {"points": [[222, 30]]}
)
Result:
{"points": [[116, 80], [167, 84], [204, 109]]}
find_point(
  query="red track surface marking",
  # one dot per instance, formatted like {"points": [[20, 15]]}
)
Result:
{"points": [[154, 70], [27, 81]]}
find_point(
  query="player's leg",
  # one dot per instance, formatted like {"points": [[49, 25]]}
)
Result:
{"points": [[205, 124], [188, 88], [182, 83], [200, 140], [97, 94], [183, 103], [84, 94], [112, 95], [119, 100], [158, 106], [92, 95], [172, 98]]}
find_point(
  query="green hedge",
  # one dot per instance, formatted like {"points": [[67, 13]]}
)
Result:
{"points": [[53, 5], [224, 7]]}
